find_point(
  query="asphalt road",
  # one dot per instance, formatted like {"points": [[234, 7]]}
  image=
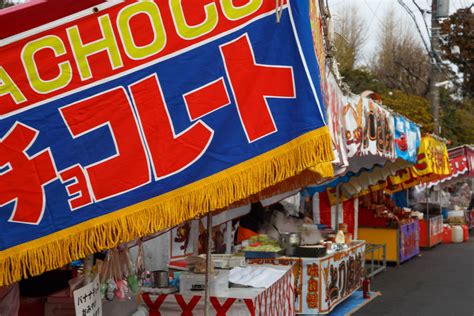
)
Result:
{"points": [[438, 282]]}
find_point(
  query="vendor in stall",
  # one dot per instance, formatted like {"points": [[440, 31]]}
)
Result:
{"points": [[279, 216], [250, 224]]}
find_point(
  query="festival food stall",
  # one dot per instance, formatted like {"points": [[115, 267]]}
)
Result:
{"points": [[379, 144], [103, 140], [432, 163], [356, 197], [273, 299], [381, 222], [461, 161], [322, 283], [458, 184]]}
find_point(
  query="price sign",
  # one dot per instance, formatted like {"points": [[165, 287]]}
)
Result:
{"points": [[87, 301]]}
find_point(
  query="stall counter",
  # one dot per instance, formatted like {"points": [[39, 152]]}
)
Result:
{"points": [[431, 231], [471, 222], [322, 283], [278, 299], [401, 243]]}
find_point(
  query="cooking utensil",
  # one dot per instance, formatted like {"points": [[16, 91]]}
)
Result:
{"points": [[310, 251], [160, 278], [289, 241]]}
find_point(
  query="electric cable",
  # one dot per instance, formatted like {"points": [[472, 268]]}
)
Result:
{"points": [[422, 11], [412, 15]]}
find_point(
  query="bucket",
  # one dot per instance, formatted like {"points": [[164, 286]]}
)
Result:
{"points": [[447, 234], [457, 234]]}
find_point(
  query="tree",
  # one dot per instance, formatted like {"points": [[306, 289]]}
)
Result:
{"points": [[361, 79], [414, 107], [400, 61], [350, 37], [458, 46], [5, 4], [457, 117]]}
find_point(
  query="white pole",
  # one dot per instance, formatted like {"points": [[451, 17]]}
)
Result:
{"points": [[228, 238]]}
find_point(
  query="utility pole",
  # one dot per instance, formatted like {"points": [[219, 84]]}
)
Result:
{"points": [[434, 73]]}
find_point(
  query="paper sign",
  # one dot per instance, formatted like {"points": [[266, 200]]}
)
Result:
{"points": [[255, 276], [87, 301]]}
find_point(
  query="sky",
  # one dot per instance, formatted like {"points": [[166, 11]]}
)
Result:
{"points": [[374, 11]]}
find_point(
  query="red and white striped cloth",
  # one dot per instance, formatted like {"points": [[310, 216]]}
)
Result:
{"points": [[325, 213], [277, 300]]}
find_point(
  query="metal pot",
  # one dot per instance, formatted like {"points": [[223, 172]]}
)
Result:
{"points": [[160, 279], [289, 242]]}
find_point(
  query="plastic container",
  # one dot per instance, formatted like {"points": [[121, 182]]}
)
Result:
{"points": [[447, 234], [445, 213], [465, 231], [194, 283], [457, 234], [455, 214]]}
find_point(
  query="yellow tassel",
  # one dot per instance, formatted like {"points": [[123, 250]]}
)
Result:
{"points": [[248, 179]]}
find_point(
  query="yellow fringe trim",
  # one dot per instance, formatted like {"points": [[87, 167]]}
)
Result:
{"points": [[311, 150]]}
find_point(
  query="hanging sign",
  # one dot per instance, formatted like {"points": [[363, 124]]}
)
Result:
{"points": [[87, 301], [334, 108], [432, 158], [368, 128], [118, 123], [407, 139], [432, 164], [460, 161]]}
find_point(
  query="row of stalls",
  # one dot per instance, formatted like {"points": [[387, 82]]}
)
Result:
{"points": [[222, 171], [142, 132], [406, 209], [455, 190]]}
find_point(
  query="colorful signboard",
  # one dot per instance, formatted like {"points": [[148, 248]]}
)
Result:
{"points": [[432, 158], [329, 280], [120, 122], [432, 164], [461, 161], [368, 128], [334, 108], [409, 240], [407, 139]]}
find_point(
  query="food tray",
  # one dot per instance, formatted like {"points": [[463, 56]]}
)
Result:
{"points": [[261, 254]]}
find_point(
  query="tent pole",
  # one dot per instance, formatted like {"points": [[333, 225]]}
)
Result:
{"points": [[88, 265], [337, 208], [428, 215], [208, 265]]}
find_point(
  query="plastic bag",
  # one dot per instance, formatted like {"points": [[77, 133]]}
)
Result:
{"points": [[107, 282], [128, 272], [120, 274], [140, 270]]}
